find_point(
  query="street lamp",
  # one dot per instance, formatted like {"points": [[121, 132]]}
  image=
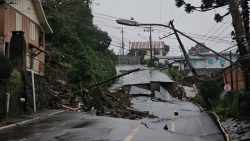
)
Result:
{"points": [[127, 22]]}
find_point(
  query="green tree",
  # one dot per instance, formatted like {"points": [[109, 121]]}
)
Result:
{"points": [[5, 69], [210, 92], [81, 46]]}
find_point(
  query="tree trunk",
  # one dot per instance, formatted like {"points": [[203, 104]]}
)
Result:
{"points": [[241, 38], [245, 16], [238, 27]]}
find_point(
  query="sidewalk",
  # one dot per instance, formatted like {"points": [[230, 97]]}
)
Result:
{"points": [[25, 119]]}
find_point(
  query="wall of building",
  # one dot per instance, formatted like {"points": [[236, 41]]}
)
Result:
{"points": [[210, 62], [31, 31], [1, 27], [26, 7], [234, 76]]}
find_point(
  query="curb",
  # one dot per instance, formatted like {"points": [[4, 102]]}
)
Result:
{"points": [[198, 105], [217, 121], [28, 121]]}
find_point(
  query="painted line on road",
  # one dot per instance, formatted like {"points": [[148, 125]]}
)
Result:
{"points": [[134, 132], [37, 134], [173, 125], [173, 121], [23, 140]]}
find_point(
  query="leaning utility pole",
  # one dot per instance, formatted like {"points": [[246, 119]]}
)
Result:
{"points": [[186, 57]]}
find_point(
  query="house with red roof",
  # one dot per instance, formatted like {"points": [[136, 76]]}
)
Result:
{"points": [[143, 48]]}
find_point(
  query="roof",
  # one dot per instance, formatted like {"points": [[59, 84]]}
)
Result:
{"points": [[146, 45], [41, 16], [146, 77]]}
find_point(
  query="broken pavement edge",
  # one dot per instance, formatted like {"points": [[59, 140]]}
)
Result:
{"points": [[29, 120]]}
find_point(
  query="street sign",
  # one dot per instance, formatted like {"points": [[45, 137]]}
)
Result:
{"points": [[227, 88]]}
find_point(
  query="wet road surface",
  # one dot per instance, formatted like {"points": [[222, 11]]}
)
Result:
{"points": [[189, 125]]}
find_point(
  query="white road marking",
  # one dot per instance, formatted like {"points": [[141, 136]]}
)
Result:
{"points": [[173, 125], [22, 139], [173, 121], [134, 132], [37, 134]]}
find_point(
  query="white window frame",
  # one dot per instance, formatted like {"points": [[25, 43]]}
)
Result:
{"points": [[19, 22], [32, 31]]}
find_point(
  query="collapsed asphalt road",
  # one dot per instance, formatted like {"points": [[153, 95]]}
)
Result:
{"points": [[177, 121], [190, 125]]}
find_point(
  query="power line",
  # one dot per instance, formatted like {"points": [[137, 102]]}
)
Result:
{"points": [[105, 15], [104, 18], [218, 29], [221, 33]]}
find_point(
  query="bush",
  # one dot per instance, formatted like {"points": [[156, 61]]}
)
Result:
{"points": [[5, 68], [175, 75], [210, 92]]}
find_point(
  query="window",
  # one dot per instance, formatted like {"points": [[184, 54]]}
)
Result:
{"points": [[19, 22], [35, 64], [210, 61], [222, 61], [32, 31], [194, 63], [6, 49]]}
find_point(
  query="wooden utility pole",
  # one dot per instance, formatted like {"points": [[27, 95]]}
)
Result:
{"points": [[231, 70], [122, 42], [150, 43], [183, 50]]}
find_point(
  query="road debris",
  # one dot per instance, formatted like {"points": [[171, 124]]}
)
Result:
{"points": [[165, 127], [238, 130], [118, 105]]}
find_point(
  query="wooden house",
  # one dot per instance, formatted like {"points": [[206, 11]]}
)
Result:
{"points": [[28, 17], [234, 76]]}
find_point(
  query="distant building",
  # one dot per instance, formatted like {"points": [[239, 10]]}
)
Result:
{"points": [[143, 49], [26, 16], [204, 63], [128, 60], [172, 61], [208, 63]]}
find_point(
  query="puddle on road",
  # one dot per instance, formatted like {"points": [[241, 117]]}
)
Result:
{"points": [[84, 124]]}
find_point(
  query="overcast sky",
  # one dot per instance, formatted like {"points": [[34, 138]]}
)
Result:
{"points": [[214, 35]]}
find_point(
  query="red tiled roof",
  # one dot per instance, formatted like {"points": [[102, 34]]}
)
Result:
{"points": [[146, 45]]}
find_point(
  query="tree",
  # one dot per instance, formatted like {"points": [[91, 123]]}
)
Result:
{"points": [[5, 68], [83, 47], [210, 92], [239, 10], [241, 27]]}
